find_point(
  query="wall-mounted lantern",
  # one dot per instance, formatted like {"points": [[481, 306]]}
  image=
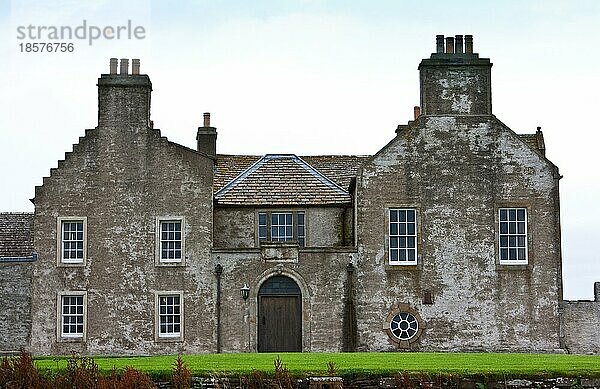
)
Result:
{"points": [[245, 291]]}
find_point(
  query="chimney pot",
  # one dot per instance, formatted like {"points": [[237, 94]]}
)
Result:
{"points": [[458, 44], [439, 44], [417, 111], [124, 66], [113, 66], [135, 66], [449, 45], [206, 119], [469, 44]]}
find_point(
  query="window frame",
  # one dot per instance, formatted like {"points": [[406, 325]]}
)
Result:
{"points": [[159, 261], [297, 236], [69, 337], [168, 337], [397, 309], [388, 236], [526, 234], [60, 221]]}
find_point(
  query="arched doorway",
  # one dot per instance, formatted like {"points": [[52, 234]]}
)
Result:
{"points": [[279, 315]]}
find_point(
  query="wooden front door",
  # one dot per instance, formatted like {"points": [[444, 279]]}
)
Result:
{"points": [[279, 316]]}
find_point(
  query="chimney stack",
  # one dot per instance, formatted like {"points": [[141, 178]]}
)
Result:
{"points": [[458, 44], [124, 66], [124, 99], [597, 292], [454, 80], [469, 44], [113, 66], [439, 44], [449, 45], [207, 138], [135, 66], [417, 112]]}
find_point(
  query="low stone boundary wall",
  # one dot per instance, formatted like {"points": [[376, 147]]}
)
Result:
{"points": [[400, 382], [580, 323]]}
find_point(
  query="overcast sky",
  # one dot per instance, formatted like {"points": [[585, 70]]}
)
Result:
{"points": [[310, 77]]}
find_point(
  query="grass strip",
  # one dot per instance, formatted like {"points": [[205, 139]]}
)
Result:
{"points": [[357, 364]]}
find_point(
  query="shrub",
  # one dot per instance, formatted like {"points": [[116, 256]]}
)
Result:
{"points": [[331, 369], [181, 377], [20, 372], [282, 378], [134, 379], [255, 380]]}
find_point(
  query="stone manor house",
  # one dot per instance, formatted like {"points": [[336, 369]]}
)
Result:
{"points": [[447, 239]]}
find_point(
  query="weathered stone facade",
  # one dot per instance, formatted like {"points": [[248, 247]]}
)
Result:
{"points": [[121, 177], [144, 246], [580, 322], [15, 305], [16, 258]]}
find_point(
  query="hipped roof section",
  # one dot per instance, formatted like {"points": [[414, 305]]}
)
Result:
{"points": [[284, 179]]}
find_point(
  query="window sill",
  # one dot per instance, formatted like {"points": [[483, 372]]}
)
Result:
{"points": [[170, 264], [72, 339], [516, 267], [394, 268], [169, 339], [71, 264]]}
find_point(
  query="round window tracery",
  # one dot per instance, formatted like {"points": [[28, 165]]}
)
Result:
{"points": [[404, 325]]}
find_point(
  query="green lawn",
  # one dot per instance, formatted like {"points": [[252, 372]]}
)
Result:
{"points": [[300, 364]]}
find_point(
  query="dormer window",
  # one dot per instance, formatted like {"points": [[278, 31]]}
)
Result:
{"points": [[282, 226]]}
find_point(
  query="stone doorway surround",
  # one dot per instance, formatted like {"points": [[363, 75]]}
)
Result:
{"points": [[306, 309]]}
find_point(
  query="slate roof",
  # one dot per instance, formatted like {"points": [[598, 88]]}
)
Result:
{"points": [[16, 235], [283, 179], [535, 141], [338, 168], [228, 167]]}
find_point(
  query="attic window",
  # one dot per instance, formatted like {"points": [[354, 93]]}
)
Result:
{"points": [[285, 226]]}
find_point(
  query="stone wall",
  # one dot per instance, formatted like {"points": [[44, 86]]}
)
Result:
{"points": [[236, 227], [321, 276], [15, 305], [122, 177], [580, 322], [456, 172]]}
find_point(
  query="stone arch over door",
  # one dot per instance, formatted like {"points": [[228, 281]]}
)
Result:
{"points": [[305, 307]]}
